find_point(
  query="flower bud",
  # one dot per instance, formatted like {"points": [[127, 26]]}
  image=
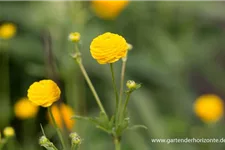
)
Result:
{"points": [[130, 47], [9, 132], [74, 37], [44, 141], [132, 85], [75, 139]]}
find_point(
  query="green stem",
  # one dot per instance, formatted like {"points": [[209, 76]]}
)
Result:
{"points": [[57, 128], [91, 86], [124, 60], [79, 61], [74, 147], [115, 90], [126, 102], [117, 144]]}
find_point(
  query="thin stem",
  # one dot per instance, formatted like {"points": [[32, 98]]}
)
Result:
{"points": [[126, 102], [74, 147], [124, 60], [57, 128], [2, 143], [77, 56], [117, 144], [91, 86], [115, 89]]}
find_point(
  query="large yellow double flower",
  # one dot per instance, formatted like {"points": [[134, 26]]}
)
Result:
{"points": [[44, 93], [108, 48]]}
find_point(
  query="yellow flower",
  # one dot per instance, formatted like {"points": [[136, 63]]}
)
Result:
{"points": [[7, 30], [209, 108], [108, 10], [44, 93], [8, 132], [108, 48], [62, 115], [24, 109]]}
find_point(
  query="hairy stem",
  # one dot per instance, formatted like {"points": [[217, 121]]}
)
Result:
{"points": [[57, 128], [115, 91], [117, 144], [126, 102]]}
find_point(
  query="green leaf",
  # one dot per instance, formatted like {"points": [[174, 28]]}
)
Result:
{"points": [[103, 119], [111, 122], [123, 126], [134, 127], [93, 120], [102, 122]]}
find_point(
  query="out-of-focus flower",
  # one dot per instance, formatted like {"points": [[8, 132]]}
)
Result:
{"points": [[74, 37], [44, 93], [7, 30], [108, 10], [209, 108], [62, 115], [24, 109], [108, 48], [9, 132]]}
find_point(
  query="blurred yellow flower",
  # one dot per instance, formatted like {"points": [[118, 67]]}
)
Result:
{"points": [[24, 109], [8, 132], [62, 115], [108, 10], [7, 30], [44, 93], [209, 108], [108, 48]]}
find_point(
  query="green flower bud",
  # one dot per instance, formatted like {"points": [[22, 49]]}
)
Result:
{"points": [[130, 47], [75, 139], [74, 37], [44, 141], [132, 85]]}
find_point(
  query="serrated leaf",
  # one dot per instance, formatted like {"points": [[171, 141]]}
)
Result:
{"points": [[111, 122], [123, 126], [103, 119]]}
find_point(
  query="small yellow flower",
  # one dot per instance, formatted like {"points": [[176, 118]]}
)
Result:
{"points": [[24, 109], [62, 115], [209, 108], [74, 37], [108, 48], [44, 93], [8, 132], [7, 30], [108, 10]]}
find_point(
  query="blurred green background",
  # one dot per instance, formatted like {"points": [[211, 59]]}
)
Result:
{"points": [[178, 54]]}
